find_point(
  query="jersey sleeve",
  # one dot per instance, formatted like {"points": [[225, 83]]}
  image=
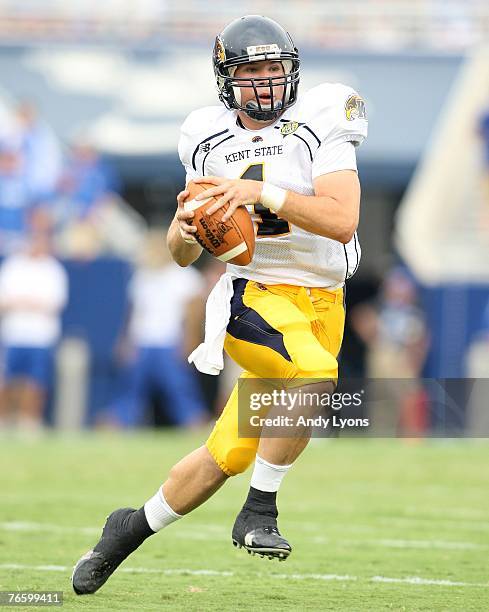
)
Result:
{"points": [[341, 125], [198, 129], [186, 153]]}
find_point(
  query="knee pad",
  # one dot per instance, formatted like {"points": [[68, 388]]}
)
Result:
{"points": [[235, 458], [239, 459]]}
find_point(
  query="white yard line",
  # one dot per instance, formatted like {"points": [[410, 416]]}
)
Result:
{"points": [[336, 577], [51, 528], [426, 582], [412, 580], [396, 543], [435, 544], [202, 532], [48, 527], [127, 570]]}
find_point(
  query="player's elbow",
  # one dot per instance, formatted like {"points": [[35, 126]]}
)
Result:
{"points": [[346, 232], [346, 236], [180, 261], [182, 258], [183, 263]]}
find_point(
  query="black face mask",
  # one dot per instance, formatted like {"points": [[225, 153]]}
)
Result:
{"points": [[253, 110], [250, 39]]}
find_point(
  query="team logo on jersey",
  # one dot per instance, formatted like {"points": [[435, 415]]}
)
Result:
{"points": [[289, 128], [355, 108], [257, 139]]}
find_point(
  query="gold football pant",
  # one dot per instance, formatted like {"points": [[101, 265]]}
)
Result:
{"points": [[280, 332]]}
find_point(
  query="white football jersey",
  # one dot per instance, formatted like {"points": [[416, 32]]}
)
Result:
{"points": [[315, 136]]}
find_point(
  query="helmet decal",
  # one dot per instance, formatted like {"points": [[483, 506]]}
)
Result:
{"points": [[271, 50], [219, 51]]}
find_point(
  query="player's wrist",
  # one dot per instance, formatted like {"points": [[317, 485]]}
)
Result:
{"points": [[273, 197]]}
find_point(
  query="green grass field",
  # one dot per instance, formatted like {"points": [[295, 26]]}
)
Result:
{"points": [[375, 525]]}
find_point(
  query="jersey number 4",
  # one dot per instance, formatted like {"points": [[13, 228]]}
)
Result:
{"points": [[269, 224]]}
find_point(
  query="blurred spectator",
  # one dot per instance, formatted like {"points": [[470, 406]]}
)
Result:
{"points": [[216, 389], [41, 151], [15, 198], [91, 218], [396, 334], [194, 317], [155, 339], [33, 292], [477, 369], [30, 163], [7, 122], [86, 181], [483, 129], [399, 346]]}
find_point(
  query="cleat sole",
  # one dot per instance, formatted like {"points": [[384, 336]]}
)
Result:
{"points": [[270, 553]]}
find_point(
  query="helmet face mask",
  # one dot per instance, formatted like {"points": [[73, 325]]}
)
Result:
{"points": [[248, 40]]}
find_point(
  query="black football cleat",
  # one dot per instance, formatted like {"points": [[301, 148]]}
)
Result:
{"points": [[259, 535], [121, 535]]}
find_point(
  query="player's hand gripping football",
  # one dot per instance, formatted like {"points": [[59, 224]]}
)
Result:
{"points": [[236, 192], [184, 219]]}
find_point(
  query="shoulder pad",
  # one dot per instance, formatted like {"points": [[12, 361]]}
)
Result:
{"points": [[198, 128], [332, 108], [202, 120]]}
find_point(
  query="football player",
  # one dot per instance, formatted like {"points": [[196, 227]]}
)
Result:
{"points": [[290, 159]]}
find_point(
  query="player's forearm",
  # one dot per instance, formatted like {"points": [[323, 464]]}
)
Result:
{"points": [[182, 252], [322, 215]]}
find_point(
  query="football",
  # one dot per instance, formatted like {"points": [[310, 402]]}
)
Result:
{"points": [[232, 241]]}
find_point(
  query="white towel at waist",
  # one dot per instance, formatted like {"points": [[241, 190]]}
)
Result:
{"points": [[208, 356]]}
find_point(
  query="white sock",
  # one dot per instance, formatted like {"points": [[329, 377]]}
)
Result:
{"points": [[267, 476], [158, 512]]}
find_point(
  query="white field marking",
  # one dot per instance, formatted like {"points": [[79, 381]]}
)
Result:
{"points": [[126, 570], [312, 577], [176, 572], [427, 582], [29, 527], [441, 544], [412, 580], [395, 543], [202, 532]]}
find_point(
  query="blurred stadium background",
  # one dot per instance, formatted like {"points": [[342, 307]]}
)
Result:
{"points": [[92, 95], [91, 98]]}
